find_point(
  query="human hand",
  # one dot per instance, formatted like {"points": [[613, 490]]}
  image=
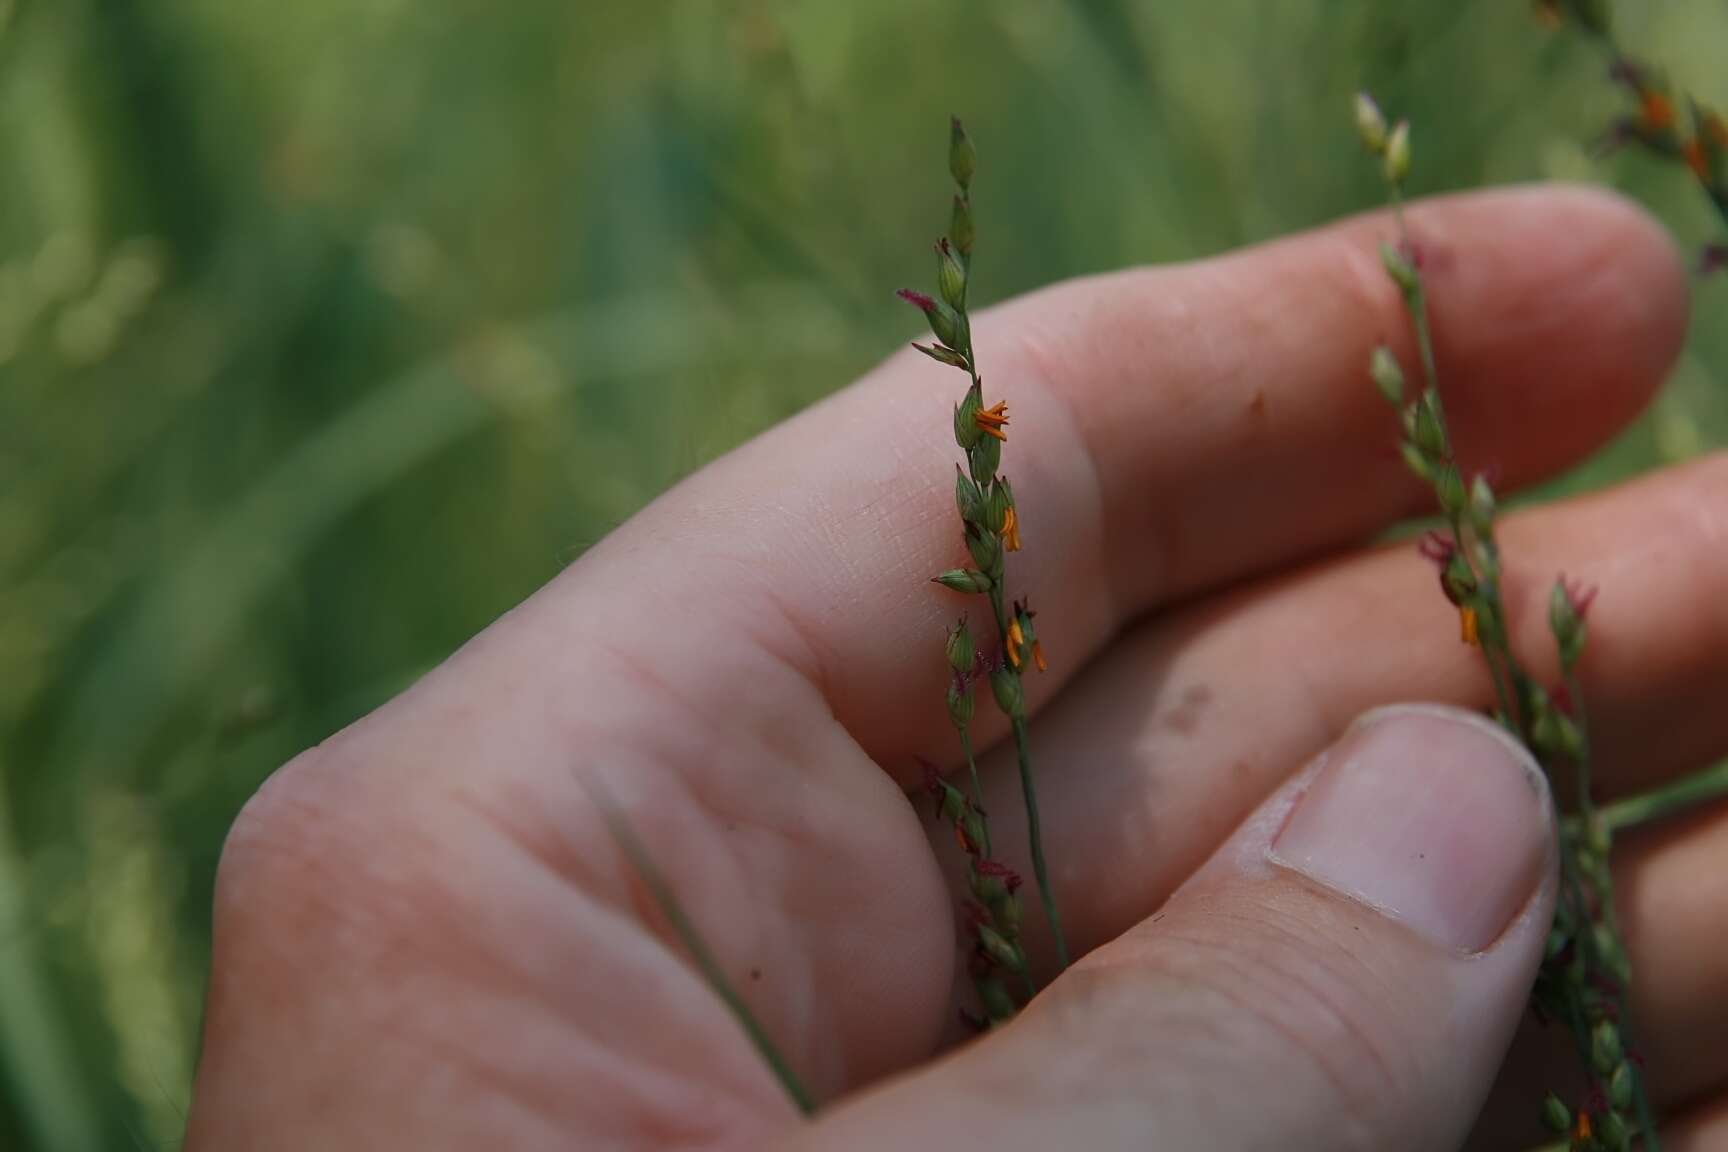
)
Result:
{"points": [[427, 936]]}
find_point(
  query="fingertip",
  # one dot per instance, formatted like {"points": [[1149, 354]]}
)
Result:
{"points": [[1574, 300], [1624, 270]]}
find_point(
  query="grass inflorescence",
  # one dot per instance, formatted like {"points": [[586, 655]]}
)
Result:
{"points": [[1585, 973], [990, 525], [1664, 120]]}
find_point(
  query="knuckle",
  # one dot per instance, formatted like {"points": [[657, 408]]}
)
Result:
{"points": [[299, 859]]}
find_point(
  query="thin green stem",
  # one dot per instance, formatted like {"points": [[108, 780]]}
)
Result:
{"points": [[1694, 791], [706, 963], [1416, 303], [1586, 803], [1417, 300], [1023, 752], [1029, 790]]}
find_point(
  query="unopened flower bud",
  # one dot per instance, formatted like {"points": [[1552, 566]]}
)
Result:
{"points": [[1398, 153], [962, 156], [1621, 1087], [1388, 375], [950, 277], [1370, 123], [1482, 505], [1425, 427], [1605, 1052], [942, 355], [1006, 910], [1594, 15], [1416, 461], [1457, 581], [964, 580], [960, 228], [1555, 1115], [943, 322], [1000, 949], [996, 505], [1599, 837], [971, 831], [962, 652], [1612, 1135], [986, 547], [992, 878], [967, 433], [1005, 685], [950, 801], [1568, 605], [1609, 951], [1449, 489], [961, 705], [1398, 267], [984, 457], [998, 1004], [968, 499], [995, 883]]}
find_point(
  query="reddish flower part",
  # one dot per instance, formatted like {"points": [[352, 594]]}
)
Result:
{"points": [[1625, 71], [918, 300], [932, 777], [1716, 129], [1437, 547], [962, 839], [1579, 595], [998, 870], [1655, 112], [1693, 150], [1562, 698], [1619, 134]]}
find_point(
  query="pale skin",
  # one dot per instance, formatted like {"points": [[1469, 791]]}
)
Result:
{"points": [[427, 938]]}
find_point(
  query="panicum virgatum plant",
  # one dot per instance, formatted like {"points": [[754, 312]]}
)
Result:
{"points": [[1585, 974], [990, 524], [1664, 120]]}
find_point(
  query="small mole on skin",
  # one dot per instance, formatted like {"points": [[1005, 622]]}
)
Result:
{"points": [[755, 973], [1257, 406]]}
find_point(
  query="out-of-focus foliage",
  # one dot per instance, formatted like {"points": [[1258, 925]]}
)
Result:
{"points": [[331, 328]]}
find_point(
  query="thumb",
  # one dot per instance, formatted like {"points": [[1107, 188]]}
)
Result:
{"points": [[1345, 972]]}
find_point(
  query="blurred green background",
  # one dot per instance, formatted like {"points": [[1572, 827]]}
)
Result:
{"points": [[329, 329]]}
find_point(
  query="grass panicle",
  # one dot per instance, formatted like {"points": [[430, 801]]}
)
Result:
{"points": [[990, 527], [1585, 974], [1664, 120]]}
